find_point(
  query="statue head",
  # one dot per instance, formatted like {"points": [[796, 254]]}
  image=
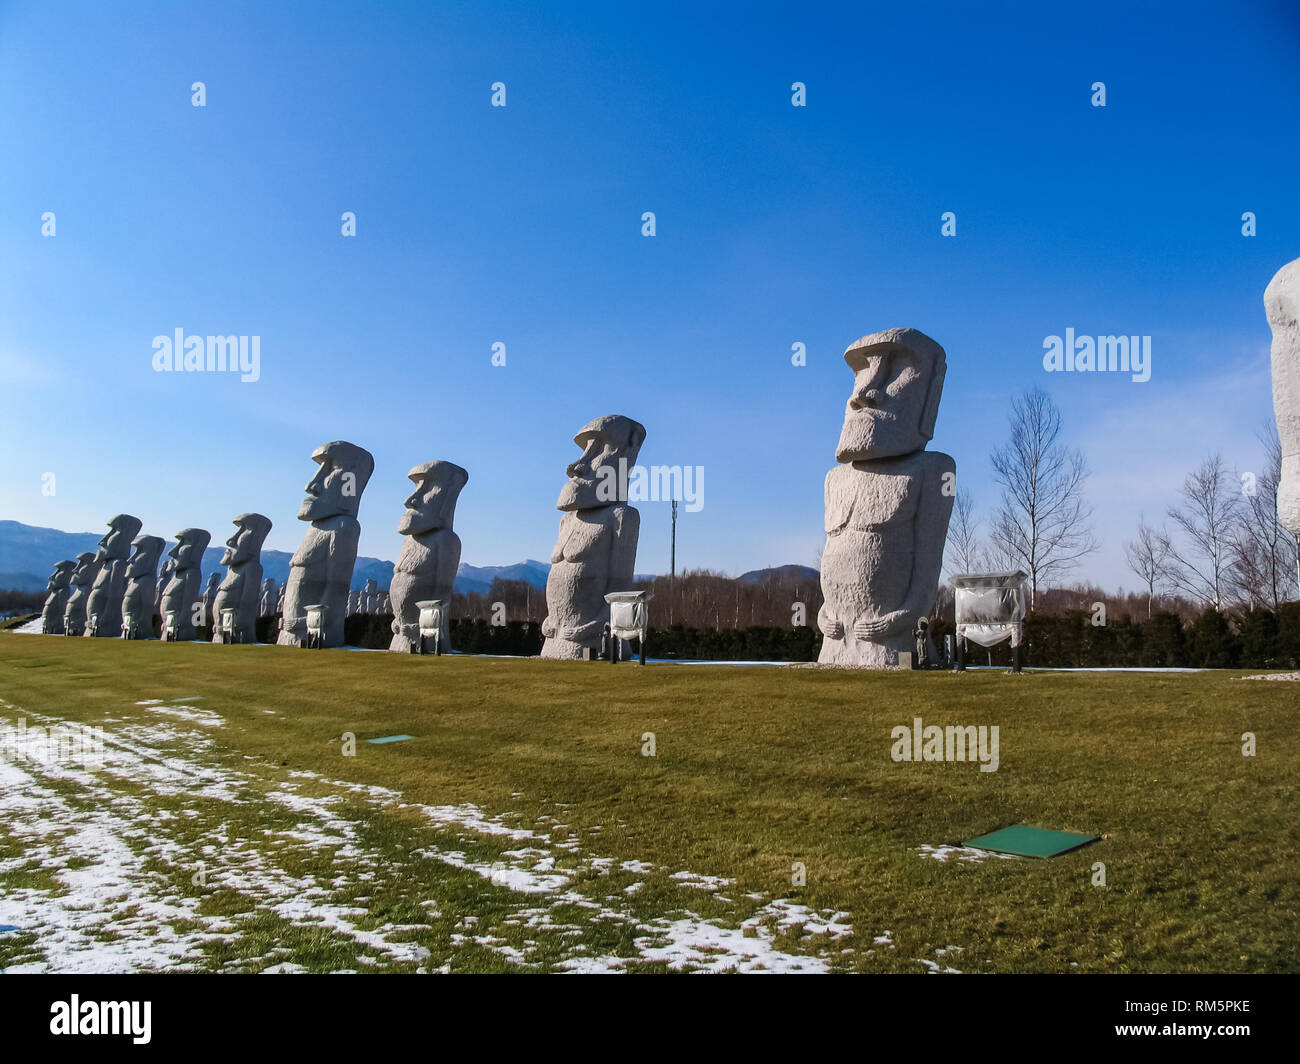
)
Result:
{"points": [[84, 572], [897, 381], [372, 587], [61, 577], [190, 545], [1282, 305], [433, 502], [246, 544], [605, 443], [336, 488], [116, 543], [214, 582], [144, 560]]}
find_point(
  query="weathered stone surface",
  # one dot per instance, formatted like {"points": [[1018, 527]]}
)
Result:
{"points": [[239, 590], [270, 598], [596, 550], [321, 569], [83, 576], [1282, 305], [426, 568], [370, 597], [104, 606], [210, 598], [887, 503], [164, 578], [56, 598], [184, 584], [141, 593]]}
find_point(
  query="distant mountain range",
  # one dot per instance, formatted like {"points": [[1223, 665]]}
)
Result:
{"points": [[786, 572], [28, 554]]}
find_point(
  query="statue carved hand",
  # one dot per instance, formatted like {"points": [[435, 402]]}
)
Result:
{"points": [[548, 628], [830, 627], [872, 628]]}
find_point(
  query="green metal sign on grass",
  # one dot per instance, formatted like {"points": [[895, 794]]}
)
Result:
{"points": [[1025, 841]]}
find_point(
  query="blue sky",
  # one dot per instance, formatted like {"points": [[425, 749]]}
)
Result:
{"points": [[522, 224]]}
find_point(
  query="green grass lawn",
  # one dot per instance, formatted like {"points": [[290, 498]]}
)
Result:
{"points": [[521, 828]]}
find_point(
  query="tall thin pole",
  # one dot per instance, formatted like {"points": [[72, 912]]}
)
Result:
{"points": [[672, 566]]}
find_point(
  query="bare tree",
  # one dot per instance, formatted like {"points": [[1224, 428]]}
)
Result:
{"points": [[1263, 552], [1208, 517], [1042, 521], [965, 552], [1150, 557]]}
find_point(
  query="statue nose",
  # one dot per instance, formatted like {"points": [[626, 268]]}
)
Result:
{"points": [[866, 400]]}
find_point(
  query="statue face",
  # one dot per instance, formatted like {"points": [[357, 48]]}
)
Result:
{"points": [[189, 548], [246, 544], [891, 399], [604, 442], [61, 577], [341, 476], [117, 541], [85, 569], [144, 560], [432, 504]]}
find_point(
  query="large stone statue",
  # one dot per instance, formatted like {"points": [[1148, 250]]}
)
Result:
{"points": [[596, 550], [354, 602], [243, 582], [184, 586], [270, 598], [1282, 304], [887, 503], [104, 606], [321, 570], [164, 578], [370, 597], [141, 588], [426, 568], [56, 598], [210, 598], [83, 576]]}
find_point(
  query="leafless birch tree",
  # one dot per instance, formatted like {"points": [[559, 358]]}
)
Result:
{"points": [[1042, 521]]}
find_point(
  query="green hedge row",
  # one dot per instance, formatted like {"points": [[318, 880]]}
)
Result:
{"points": [[1253, 639]]}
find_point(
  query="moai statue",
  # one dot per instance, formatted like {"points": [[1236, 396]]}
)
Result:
{"points": [[1282, 305], [370, 597], [321, 569], [181, 597], [164, 578], [239, 590], [141, 588], [83, 576], [385, 602], [270, 598], [596, 550], [426, 568], [104, 606], [210, 599], [56, 598], [354, 602], [279, 600], [887, 503]]}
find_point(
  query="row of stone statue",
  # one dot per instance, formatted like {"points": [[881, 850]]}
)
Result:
{"points": [[887, 511], [888, 501], [68, 592]]}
